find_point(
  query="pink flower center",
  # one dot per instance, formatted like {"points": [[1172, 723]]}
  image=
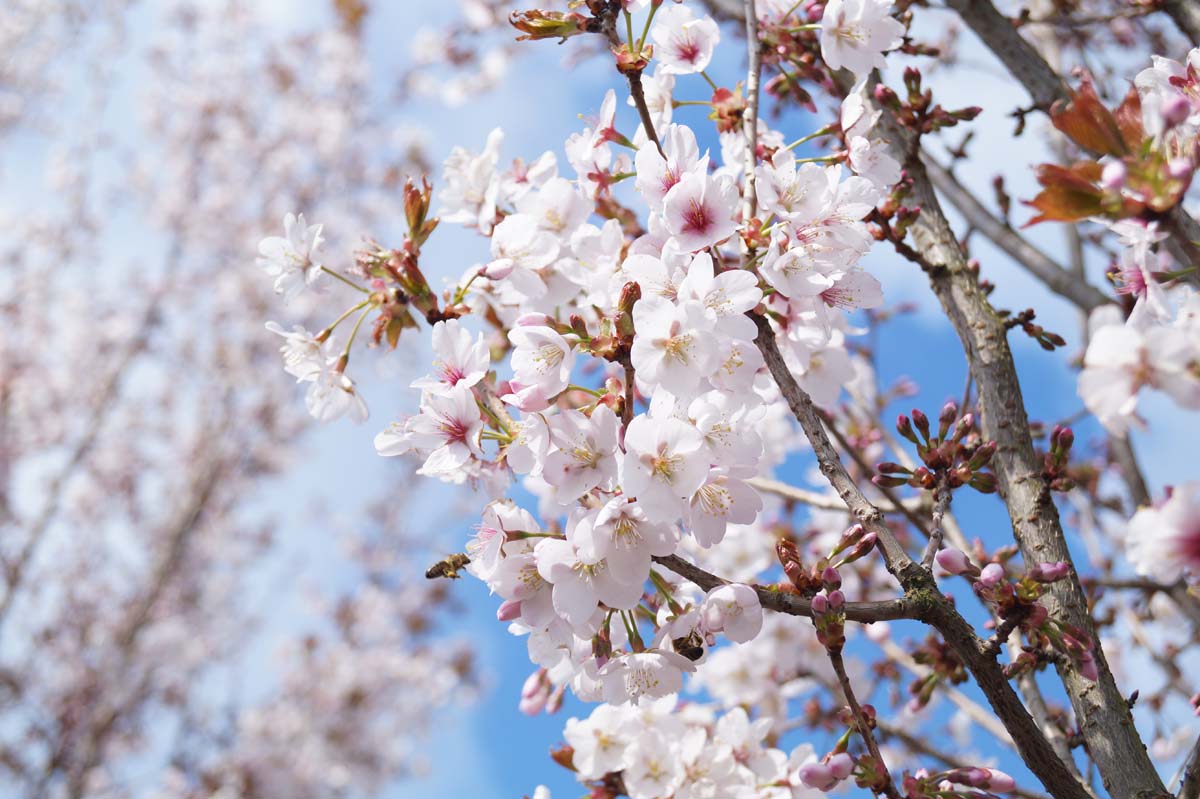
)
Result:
{"points": [[696, 218], [687, 50]]}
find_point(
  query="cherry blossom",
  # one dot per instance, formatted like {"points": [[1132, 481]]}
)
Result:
{"points": [[664, 465], [683, 43], [699, 210], [734, 610], [459, 359], [856, 33], [290, 258], [447, 428], [1164, 541]]}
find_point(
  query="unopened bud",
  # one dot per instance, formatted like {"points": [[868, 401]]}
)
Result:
{"points": [[509, 609], [946, 418], [1113, 175], [1176, 110], [1180, 168], [840, 765], [818, 776], [982, 455], [991, 575], [921, 421], [1050, 572], [954, 561], [905, 429], [984, 482], [546, 24], [830, 578]]}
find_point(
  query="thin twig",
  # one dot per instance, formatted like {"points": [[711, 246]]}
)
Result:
{"points": [[941, 503], [860, 720]]}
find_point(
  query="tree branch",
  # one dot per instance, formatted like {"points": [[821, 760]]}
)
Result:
{"points": [[1103, 714], [1016, 246], [920, 588], [791, 604]]}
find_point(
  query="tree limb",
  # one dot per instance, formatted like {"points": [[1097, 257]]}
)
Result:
{"points": [[1038, 264]]}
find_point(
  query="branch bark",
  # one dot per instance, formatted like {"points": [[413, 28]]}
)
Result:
{"points": [[1016, 246], [1186, 14], [1101, 710]]}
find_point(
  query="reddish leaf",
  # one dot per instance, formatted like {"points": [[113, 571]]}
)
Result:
{"points": [[1068, 194], [1088, 123], [1129, 120]]}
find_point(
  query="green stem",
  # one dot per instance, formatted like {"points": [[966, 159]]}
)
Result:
{"points": [[822, 132], [344, 279], [646, 27], [354, 331], [819, 159], [704, 75], [591, 391], [665, 590], [462, 290], [342, 318], [678, 103]]}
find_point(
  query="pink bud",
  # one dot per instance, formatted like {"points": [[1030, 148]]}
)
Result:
{"points": [[1176, 110], [954, 561], [820, 604], [999, 782], [499, 268], [830, 577], [1113, 175], [532, 319], [509, 609], [1180, 168], [817, 776], [1050, 572], [991, 575], [836, 600], [840, 765], [1087, 667]]}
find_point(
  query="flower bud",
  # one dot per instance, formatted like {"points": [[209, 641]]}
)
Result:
{"points": [[904, 428], [1176, 110], [1050, 572], [946, 418], [547, 24], [1180, 168], [1113, 175], [921, 421], [499, 268], [818, 776], [984, 482], [830, 578], [991, 575], [840, 765], [820, 604], [509, 609], [998, 781], [1087, 667], [954, 561], [837, 600], [982, 456], [532, 319]]}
